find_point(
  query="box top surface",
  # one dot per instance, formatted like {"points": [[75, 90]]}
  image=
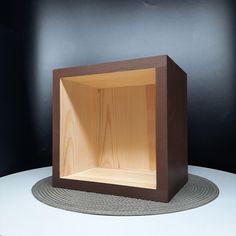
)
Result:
{"points": [[131, 64]]}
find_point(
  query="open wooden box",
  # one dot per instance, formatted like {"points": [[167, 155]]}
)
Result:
{"points": [[120, 128]]}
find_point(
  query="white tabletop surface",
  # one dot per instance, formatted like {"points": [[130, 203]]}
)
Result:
{"points": [[22, 215]]}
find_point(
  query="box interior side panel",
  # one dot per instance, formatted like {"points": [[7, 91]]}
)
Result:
{"points": [[78, 127]]}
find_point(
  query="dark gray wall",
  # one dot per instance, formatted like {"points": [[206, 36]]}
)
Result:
{"points": [[199, 35], [16, 132]]}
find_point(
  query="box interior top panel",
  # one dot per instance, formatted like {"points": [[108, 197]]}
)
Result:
{"points": [[108, 128]]}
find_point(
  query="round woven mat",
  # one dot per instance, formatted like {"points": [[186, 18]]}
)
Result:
{"points": [[198, 191]]}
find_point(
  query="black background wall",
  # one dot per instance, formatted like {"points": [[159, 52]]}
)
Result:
{"points": [[37, 36]]}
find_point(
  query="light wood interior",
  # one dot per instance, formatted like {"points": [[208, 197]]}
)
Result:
{"points": [[108, 129], [117, 79], [134, 178]]}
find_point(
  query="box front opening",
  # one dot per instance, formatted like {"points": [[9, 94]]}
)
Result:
{"points": [[108, 128]]}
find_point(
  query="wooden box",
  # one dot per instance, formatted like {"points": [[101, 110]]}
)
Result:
{"points": [[121, 128]]}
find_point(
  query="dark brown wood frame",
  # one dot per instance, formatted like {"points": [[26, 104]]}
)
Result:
{"points": [[171, 120]]}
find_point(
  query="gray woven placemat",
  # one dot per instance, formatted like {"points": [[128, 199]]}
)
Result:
{"points": [[197, 192]]}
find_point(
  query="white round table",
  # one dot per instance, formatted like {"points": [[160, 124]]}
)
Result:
{"points": [[22, 215]]}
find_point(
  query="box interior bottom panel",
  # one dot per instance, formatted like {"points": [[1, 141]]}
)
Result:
{"points": [[137, 178]]}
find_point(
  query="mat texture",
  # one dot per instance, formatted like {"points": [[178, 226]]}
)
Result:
{"points": [[198, 191]]}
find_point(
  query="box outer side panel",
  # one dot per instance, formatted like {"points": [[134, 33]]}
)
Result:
{"points": [[177, 127], [56, 127]]}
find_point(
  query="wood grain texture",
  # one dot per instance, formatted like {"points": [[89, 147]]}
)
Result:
{"points": [[111, 128], [143, 179], [126, 116], [78, 127], [117, 79]]}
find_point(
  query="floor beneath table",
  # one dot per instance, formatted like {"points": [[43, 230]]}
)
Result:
{"points": [[138, 178]]}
